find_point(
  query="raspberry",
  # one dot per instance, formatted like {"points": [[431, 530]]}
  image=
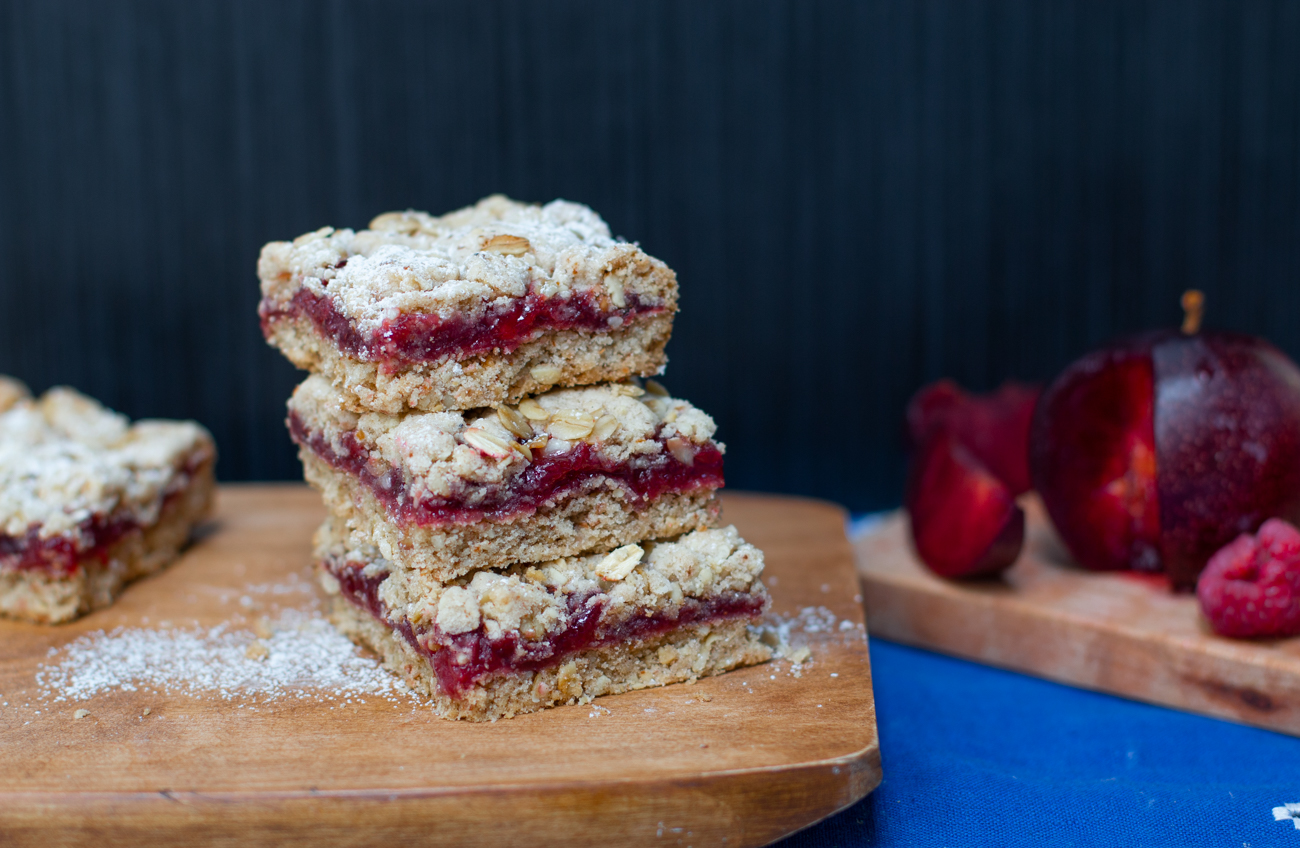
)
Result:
{"points": [[1251, 587]]}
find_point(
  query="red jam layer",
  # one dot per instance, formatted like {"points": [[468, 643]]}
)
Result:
{"points": [[59, 555], [422, 337], [463, 660], [545, 478]]}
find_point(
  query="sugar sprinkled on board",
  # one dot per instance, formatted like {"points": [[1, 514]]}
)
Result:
{"points": [[787, 635], [302, 657]]}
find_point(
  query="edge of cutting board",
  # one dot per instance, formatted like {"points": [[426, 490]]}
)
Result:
{"points": [[1121, 633], [741, 759]]}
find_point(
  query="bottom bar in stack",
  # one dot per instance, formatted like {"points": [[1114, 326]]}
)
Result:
{"points": [[494, 644]]}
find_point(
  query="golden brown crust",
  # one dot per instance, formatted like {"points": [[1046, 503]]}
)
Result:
{"points": [[559, 358], [599, 517]]}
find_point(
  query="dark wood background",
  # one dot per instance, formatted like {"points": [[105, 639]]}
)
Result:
{"points": [[859, 197]]}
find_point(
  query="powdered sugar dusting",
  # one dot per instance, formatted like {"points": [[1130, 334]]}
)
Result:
{"points": [[300, 656]]}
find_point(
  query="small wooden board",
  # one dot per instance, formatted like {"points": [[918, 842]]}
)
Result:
{"points": [[1122, 633], [741, 759]]}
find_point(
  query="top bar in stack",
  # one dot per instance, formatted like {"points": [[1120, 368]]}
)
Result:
{"points": [[479, 307]]}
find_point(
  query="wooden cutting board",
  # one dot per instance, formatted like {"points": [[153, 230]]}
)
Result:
{"points": [[741, 759], [1117, 632]]}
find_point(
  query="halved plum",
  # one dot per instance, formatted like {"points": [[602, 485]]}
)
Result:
{"points": [[965, 521], [1093, 456], [994, 427]]}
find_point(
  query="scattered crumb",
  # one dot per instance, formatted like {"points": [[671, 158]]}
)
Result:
{"points": [[146, 711], [794, 637], [257, 651], [81, 713], [705, 697]]}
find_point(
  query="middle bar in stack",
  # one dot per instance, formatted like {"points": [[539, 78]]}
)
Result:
{"points": [[568, 471]]}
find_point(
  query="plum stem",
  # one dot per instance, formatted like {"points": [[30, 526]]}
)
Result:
{"points": [[1193, 309]]}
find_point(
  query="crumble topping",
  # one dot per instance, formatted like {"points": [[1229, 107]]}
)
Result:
{"points": [[463, 263], [439, 453], [65, 459], [533, 600], [11, 391]]}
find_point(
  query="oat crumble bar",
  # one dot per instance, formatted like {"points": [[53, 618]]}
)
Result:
{"points": [[89, 501], [498, 643], [481, 306], [565, 472]]}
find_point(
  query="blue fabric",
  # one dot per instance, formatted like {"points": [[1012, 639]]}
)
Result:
{"points": [[978, 756]]}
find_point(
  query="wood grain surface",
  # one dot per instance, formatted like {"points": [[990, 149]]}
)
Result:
{"points": [[736, 760], [1122, 633]]}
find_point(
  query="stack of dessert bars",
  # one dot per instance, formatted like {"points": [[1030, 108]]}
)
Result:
{"points": [[516, 520]]}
